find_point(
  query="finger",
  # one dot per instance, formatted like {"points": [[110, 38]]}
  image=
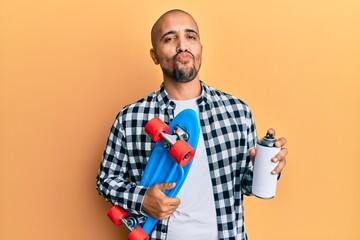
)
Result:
{"points": [[169, 207], [279, 167], [165, 186], [166, 200], [157, 205], [172, 202], [164, 215], [252, 153], [163, 212], [280, 142], [282, 154], [271, 131]]}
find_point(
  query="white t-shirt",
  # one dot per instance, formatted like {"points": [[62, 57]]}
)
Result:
{"points": [[195, 218]]}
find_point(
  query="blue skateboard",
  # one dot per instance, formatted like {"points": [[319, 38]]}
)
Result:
{"points": [[170, 161]]}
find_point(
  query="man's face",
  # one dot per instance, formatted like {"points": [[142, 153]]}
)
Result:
{"points": [[177, 47]]}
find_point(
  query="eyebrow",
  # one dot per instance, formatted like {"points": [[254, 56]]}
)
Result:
{"points": [[188, 30]]}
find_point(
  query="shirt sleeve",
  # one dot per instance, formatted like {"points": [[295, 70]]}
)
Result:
{"points": [[251, 143], [113, 178]]}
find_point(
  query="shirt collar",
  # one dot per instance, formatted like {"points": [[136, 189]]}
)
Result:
{"points": [[205, 98], [164, 99], [165, 102]]}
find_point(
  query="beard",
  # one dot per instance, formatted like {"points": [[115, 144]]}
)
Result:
{"points": [[182, 75]]}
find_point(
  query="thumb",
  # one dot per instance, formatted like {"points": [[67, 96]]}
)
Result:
{"points": [[252, 154], [165, 186]]}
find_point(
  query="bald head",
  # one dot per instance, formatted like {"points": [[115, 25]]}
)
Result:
{"points": [[155, 30]]}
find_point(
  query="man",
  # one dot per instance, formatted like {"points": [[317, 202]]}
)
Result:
{"points": [[210, 203]]}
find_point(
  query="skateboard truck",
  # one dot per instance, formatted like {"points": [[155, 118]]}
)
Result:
{"points": [[133, 221], [170, 140], [119, 216], [175, 143], [178, 134]]}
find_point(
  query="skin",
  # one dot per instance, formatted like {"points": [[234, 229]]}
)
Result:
{"points": [[176, 47]]}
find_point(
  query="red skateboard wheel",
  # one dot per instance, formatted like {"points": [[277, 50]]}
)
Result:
{"points": [[116, 213], [138, 234], [155, 127], [182, 152]]}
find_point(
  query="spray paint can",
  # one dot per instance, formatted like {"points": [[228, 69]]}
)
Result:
{"points": [[264, 183]]}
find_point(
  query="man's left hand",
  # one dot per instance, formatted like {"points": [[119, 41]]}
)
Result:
{"points": [[278, 158]]}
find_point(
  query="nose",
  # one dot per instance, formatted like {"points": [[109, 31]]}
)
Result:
{"points": [[182, 46]]}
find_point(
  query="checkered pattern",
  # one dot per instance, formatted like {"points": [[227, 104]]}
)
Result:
{"points": [[229, 133]]}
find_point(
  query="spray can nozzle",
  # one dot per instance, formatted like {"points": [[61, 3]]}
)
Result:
{"points": [[269, 136], [267, 141]]}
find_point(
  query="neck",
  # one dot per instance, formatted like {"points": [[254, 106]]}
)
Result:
{"points": [[183, 91]]}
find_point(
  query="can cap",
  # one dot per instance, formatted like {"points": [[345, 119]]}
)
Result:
{"points": [[267, 141]]}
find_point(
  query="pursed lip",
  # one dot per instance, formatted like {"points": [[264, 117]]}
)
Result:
{"points": [[183, 57]]}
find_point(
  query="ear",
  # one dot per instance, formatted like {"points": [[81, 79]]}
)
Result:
{"points": [[154, 56]]}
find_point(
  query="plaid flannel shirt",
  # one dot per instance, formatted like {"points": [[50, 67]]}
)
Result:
{"points": [[229, 133]]}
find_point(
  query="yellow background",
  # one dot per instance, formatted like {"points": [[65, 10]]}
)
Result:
{"points": [[67, 68]]}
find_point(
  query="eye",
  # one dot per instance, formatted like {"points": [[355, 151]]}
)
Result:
{"points": [[191, 37], [168, 39]]}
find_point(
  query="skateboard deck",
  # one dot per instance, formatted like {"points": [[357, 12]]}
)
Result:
{"points": [[170, 161]]}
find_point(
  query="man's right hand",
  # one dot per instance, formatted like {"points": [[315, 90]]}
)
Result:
{"points": [[156, 204]]}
